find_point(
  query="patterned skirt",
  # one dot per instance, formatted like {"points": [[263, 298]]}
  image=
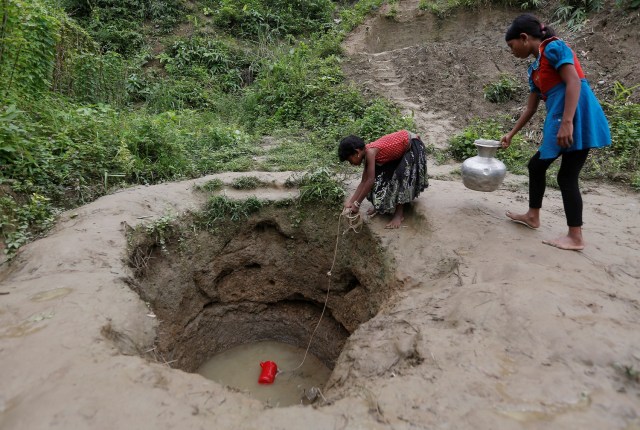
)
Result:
{"points": [[400, 181]]}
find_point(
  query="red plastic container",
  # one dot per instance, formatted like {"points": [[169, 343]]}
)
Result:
{"points": [[268, 374]]}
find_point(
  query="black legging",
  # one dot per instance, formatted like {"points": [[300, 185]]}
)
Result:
{"points": [[570, 167]]}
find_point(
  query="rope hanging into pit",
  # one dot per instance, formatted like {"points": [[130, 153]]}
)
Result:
{"points": [[355, 225]]}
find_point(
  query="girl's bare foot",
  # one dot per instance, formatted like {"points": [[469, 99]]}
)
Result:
{"points": [[528, 219], [565, 242], [572, 241], [371, 212], [397, 219]]}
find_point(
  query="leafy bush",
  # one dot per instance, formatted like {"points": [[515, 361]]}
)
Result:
{"points": [[177, 94], [117, 25], [504, 89], [55, 149], [210, 60], [354, 15], [574, 12], [28, 36], [301, 89], [319, 185], [174, 145], [254, 18], [380, 118], [98, 78], [621, 161], [20, 222]]}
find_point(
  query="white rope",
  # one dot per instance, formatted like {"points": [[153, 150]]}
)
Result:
{"points": [[355, 224]]}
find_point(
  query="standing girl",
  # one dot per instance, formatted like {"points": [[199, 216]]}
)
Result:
{"points": [[395, 172], [574, 124]]}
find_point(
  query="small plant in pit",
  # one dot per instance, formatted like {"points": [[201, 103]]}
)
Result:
{"points": [[629, 371], [160, 230]]}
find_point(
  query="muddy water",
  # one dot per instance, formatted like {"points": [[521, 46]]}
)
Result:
{"points": [[239, 368]]}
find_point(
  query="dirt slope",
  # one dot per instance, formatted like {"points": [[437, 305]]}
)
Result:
{"points": [[437, 68], [490, 330]]}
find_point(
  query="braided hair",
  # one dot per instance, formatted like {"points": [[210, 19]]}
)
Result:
{"points": [[530, 25]]}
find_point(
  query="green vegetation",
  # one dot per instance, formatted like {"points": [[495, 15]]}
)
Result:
{"points": [[116, 24], [620, 161], [160, 230], [246, 183], [101, 94], [574, 12], [504, 89], [221, 207], [252, 19], [319, 186], [212, 185]]}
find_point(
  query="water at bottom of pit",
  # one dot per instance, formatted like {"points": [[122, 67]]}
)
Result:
{"points": [[239, 368]]}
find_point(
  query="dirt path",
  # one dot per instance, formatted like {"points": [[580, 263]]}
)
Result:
{"points": [[491, 329]]}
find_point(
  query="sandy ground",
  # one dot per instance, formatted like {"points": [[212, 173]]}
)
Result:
{"points": [[491, 329]]}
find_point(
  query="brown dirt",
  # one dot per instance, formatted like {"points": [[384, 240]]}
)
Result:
{"points": [[488, 329], [263, 278], [437, 68]]}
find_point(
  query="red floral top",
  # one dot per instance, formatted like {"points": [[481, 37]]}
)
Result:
{"points": [[391, 147]]}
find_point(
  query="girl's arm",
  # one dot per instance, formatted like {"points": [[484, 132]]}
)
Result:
{"points": [[532, 106], [571, 79], [367, 181]]}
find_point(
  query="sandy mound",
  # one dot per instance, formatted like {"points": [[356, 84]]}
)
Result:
{"points": [[491, 328]]}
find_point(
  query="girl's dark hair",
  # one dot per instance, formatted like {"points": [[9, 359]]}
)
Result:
{"points": [[348, 146], [530, 25]]}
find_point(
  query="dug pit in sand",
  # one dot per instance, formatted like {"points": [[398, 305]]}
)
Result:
{"points": [[263, 278]]}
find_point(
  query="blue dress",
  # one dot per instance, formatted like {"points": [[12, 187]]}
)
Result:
{"points": [[590, 126]]}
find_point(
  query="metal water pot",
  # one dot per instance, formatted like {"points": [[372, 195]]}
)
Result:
{"points": [[484, 172]]}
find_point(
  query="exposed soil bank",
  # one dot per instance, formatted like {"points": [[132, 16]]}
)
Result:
{"points": [[261, 278], [436, 68]]}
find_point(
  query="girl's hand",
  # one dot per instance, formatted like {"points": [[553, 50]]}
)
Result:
{"points": [[355, 207], [350, 208], [565, 134], [506, 141]]}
